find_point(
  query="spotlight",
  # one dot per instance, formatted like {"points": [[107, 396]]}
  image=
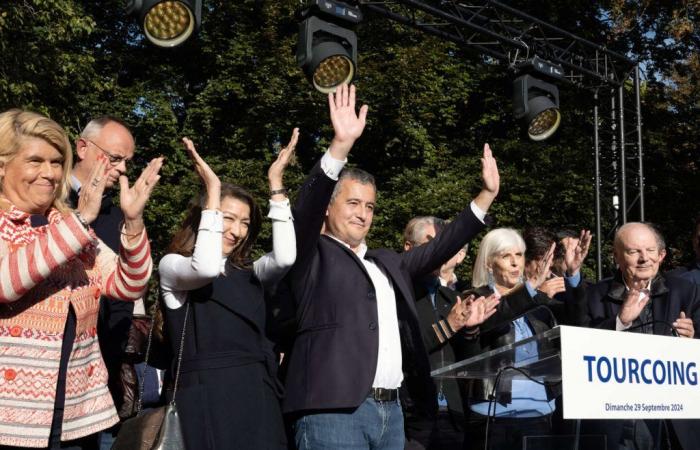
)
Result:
{"points": [[537, 101], [327, 51], [167, 23]]}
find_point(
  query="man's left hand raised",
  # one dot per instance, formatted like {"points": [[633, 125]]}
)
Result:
{"points": [[491, 180]]}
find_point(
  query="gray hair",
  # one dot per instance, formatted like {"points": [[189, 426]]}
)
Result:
{"points": [[660, 241], [495, 242], [95, 126], [354, 174], [415, 228]]}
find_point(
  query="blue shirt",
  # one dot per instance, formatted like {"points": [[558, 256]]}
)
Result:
{"points": [[529, 399]]}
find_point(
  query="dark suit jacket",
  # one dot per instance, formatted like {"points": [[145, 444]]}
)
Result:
{"points": [[669, 296], [334, 357], [114, 318], [443, 347]]}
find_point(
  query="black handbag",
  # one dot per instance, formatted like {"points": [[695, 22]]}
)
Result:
{"points": [[158, 428]]}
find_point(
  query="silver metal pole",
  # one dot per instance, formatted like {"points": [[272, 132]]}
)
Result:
{"points": [[623, 162], [639, 143], [598, 227]]}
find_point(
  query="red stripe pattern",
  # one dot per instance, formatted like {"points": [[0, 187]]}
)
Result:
{"points": [[44, 271]]}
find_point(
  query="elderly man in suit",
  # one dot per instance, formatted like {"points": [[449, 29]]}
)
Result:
{"points": [[641, 299], [358, 332]]}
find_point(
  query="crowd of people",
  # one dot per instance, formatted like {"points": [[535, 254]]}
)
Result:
{"points": [[345, 361]]}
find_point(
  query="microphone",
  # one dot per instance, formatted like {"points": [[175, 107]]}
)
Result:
{"points": [[653, 322], [38, 220]]}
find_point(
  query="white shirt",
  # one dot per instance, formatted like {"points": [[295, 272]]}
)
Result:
{"points": [[181, 274], [389, 372]]}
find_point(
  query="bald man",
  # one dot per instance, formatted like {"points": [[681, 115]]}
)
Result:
{"points": [[640, 297]]}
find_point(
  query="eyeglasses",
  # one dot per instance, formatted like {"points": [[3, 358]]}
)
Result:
{"points": [[114, 160]]}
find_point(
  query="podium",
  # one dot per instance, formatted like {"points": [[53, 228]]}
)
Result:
{"points": [[545, 366], [605, 374]]}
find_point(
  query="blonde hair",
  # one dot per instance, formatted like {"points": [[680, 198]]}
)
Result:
{"points": [[495, 242], [16, 126]]}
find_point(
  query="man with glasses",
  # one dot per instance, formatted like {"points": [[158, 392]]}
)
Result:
{"points": [[107, 139]]}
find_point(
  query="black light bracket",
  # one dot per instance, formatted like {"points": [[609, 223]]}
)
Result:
{"points": [[523, 85], [543, 68], [332, 11]]}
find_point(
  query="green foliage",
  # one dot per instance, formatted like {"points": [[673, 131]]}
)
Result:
{"points": [[236, 91]]}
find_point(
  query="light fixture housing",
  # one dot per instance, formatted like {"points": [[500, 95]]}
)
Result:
{"points": [[167, 23], [327, 49], [537, 102]]}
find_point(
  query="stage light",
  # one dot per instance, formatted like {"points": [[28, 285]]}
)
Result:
{"points": [[537, 102], [327, 51], [167, 23]]}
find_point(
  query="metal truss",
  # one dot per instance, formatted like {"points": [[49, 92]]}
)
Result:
{"points": [[619, 168], [512, 37]]}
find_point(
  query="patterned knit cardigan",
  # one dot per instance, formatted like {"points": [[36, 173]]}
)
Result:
{"points": [[43, 270]]}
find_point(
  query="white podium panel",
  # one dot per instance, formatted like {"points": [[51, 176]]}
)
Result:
{"points": [[617, 375]]}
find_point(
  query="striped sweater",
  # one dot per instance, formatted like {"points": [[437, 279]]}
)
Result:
{"points": [[43, 270]]}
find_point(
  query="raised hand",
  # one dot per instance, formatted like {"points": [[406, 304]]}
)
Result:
{"points": [[133, 199], [275, 174], [206, 174], [553, 286], [576, 252], [347, 124], [489, 172], [684, 326], [92, 190], [491, 180], [543, 267]]}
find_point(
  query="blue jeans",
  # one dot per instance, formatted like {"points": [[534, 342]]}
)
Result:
{"points": [[373, 425]]}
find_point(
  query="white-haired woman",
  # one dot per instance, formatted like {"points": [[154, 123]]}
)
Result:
{"points": [[521, 407]]}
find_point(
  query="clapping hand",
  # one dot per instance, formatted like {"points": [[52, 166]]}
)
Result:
{"points": [[480, 309], [542, 270], [634, 303], [684, 326], [133, 198], [90, 198], [206, 174], [275, 174], [553, 286]]}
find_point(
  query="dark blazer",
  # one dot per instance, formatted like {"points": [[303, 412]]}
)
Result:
{"points": [[669, 296], [333, 360], [114, 319], [443, 346]]}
